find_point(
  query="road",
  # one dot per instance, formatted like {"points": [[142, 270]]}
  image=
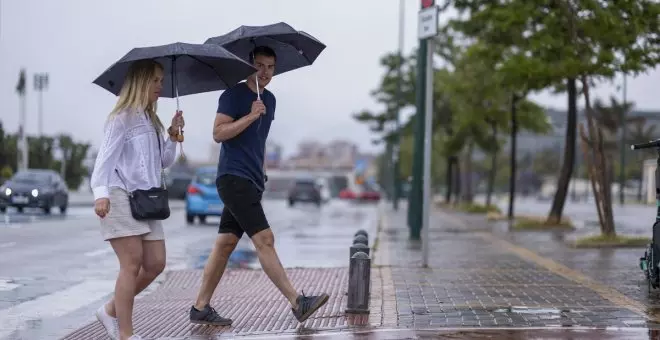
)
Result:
{"points": [[56, 270]]}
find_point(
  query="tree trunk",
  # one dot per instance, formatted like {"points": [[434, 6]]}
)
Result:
{"points": [[449, 178], [467, 194], [512, 178], [566, 172], [493, 168], [601, 173], [457, 177]]}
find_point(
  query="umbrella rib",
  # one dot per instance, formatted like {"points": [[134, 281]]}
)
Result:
{"points": [[209, 66]]}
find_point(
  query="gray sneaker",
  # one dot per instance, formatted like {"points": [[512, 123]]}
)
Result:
{"points": [[307, 305], [208, 316]]}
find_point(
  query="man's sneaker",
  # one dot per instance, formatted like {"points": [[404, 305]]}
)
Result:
{"points": [[109, 323], [307, 305], [208, 316]]}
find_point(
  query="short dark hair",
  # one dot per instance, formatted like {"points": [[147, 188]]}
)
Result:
{"points": [[264, 51]]}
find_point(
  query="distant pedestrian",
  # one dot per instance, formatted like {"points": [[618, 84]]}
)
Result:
{"points": [[242, 124], [131, 157]]}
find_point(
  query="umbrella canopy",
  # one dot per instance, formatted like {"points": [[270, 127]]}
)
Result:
{"points": [[188, 68], [294, 49]]}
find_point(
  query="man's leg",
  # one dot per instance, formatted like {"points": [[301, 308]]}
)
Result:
{"points": [[249, 214], [229, 234]]}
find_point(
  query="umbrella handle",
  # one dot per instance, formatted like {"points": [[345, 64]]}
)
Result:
{"points": [[256, 78]]}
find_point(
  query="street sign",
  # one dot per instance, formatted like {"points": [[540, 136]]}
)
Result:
{"points": [[428, 23], [428, 3]]}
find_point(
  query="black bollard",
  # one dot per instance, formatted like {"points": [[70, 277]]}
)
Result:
{"points": [[361, 232], [358, 247], [361, 239], [359, 282]]}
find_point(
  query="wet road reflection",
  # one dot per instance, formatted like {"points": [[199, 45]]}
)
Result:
{"points": [[45, 260]]}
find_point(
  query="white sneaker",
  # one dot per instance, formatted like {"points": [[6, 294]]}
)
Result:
{"points": [[109, 323], [135, 337]]}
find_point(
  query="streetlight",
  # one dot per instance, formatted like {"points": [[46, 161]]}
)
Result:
{"points": [[41, 84]]}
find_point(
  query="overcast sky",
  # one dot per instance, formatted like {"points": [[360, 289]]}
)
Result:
{"points": [[76, 40]]}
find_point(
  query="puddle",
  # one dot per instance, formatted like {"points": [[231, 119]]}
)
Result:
{"points": [[528, 310]]}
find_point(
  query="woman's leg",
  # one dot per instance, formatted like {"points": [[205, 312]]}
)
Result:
{"points": [[153, 263], [129, 252]]}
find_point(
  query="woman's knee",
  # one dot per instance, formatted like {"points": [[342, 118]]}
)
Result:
{"points": [[154, 257], [129, 253], [154, 266]]}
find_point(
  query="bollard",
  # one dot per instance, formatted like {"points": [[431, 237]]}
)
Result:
{"points": [[358, 247], [361, 239], [361, 232], [359, 282]]}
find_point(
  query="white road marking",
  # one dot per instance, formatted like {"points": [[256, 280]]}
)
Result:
{"points": [[7, 285], [98, 252], [7, 245], [53, 305]]}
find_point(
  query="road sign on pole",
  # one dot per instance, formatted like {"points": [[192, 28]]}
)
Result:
{"points": [[428, 23], [427, 30]]}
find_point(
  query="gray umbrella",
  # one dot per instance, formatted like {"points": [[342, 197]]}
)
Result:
{"points": [[188, 69], [294, 49]]}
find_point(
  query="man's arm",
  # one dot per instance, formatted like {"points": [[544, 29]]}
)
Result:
{"points": [[225, 127]]}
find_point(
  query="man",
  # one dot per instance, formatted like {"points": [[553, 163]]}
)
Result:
{"points": [[241, 124]]}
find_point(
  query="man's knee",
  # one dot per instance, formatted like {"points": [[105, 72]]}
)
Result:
{"points": [[263, 239], [226, 243]]}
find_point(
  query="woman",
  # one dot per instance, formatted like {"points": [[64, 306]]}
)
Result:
{"points": [[131, 157]]}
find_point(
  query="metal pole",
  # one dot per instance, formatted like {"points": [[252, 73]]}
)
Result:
{"points": [[622, 168], [428, 137], [396, 176], [23, 164]]}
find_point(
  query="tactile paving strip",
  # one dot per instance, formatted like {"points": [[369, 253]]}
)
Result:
{"points": [[246, 296]]}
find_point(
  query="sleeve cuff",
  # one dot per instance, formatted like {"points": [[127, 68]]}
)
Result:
{"points": [[101, 192]]}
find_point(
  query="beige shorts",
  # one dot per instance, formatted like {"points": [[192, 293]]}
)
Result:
{"points": [[119, 221]]}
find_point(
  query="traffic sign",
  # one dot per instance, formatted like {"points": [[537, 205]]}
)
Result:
{"points": [[428, 3], [428, 22]]}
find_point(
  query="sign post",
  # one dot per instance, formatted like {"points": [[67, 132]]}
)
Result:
{"points": [[427, 30]]}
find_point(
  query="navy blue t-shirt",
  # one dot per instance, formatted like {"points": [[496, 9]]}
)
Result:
{"points": [[243, 155]]}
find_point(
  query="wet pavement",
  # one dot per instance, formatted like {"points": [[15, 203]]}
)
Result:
{"points": [[61, 261]]}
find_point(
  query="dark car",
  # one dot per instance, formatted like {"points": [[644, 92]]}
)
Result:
{"points": [[304, 190], [34, 188]]}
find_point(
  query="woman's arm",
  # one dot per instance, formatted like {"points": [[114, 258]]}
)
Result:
{"points": [[108, 156], [169, 150]]}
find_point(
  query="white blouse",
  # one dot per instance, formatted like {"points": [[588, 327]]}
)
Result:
{"points": [[130, 146]]}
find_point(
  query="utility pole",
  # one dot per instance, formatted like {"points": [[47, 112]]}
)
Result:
{"points": [[22, 139], [41, 84], [396, 172]]}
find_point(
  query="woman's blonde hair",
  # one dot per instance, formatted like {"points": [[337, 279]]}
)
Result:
{"points": [[134, 93]]}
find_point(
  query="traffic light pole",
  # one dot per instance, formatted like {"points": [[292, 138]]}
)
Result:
{"points": [[415, 196], [396, 172], [420, 195]]}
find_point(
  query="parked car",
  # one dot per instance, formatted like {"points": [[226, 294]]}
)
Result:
{"points": [[35, 188], [363, 192], [305, 190], [202, 198]]}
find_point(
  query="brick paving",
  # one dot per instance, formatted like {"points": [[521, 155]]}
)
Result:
{"points": [[473, 282]]}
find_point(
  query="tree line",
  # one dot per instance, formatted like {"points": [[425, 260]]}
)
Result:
{"points": [[495, 55], [41, 151]]}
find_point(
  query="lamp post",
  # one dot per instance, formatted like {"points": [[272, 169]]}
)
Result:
{"points": [[40, 85]]}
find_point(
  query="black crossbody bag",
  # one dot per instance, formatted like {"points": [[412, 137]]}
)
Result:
{"points": [[151, 204]]}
